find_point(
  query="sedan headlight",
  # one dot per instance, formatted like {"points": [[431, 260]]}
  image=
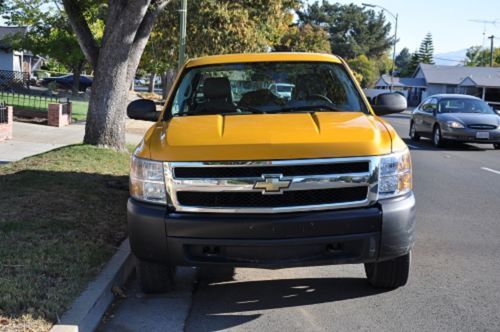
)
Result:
{"points": [[395, 175], [455, 125], [147, 181]]}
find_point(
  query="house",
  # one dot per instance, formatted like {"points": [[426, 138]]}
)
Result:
{"points": [[14, 60], [410, 87], [10, 59], [428, 80]]}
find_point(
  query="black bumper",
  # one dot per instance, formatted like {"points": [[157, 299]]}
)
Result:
{"points": [[371, 234]]}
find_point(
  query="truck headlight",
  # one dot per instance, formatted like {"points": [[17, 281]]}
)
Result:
{"points": [[147, 181], [455, 125], [395, 175]]}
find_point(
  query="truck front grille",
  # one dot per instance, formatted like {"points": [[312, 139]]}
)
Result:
{"points": [[256, 199], [272, 186]]}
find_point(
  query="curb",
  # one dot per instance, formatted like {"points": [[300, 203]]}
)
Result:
{"points": [[86, 312]]}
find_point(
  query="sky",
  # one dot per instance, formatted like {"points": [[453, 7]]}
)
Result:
{"points": [[447, 20]]}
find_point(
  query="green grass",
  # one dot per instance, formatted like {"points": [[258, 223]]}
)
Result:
{"points": [[79, 109], [63, 214], [41, 103]]}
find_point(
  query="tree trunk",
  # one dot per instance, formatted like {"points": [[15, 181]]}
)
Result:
{"points": [[151, 86], [128, 26], [167, 81], [77, 73]]}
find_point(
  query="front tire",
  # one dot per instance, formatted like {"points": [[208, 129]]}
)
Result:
{"points": [[437, 137], [154, 277], [389, 274], [496, 146], [413, 132]]}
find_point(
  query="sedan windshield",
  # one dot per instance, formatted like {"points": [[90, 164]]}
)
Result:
{"points": [[464, 105], [251, 88]]}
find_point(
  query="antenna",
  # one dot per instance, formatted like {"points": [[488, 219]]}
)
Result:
{"points": [[485, 22]]}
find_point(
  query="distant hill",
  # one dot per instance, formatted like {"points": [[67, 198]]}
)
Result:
{"points": [[455, 58]]}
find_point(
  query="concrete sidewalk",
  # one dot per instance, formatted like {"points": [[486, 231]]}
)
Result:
{"points": [[32, 139]]}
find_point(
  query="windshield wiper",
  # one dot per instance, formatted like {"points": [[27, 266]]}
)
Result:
{"points": [[315, 108], [250, 109]]}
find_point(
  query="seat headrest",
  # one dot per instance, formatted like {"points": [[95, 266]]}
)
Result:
{"points": [[217, 88]]}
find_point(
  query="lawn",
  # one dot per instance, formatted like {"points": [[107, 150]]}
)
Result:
{"points": [[41, 103], [63, 215]]}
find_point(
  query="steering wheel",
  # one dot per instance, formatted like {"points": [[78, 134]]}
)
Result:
{"points": [[319, 96]]}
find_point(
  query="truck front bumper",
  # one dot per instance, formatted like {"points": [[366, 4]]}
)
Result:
{"points": [[362, 235]]}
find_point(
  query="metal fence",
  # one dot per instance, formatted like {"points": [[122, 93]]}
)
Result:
{"points": [[3, 113], [14, 81], [25, 101]]}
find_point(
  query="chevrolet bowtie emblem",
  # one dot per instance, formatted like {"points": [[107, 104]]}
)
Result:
{"points": [[272, 184]]}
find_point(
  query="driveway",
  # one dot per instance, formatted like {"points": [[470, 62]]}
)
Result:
{"points": [[454, 285]]}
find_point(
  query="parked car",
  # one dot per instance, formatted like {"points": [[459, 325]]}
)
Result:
{"points": [[283, 90], [316, 180], [457, 118], [66, 81]]}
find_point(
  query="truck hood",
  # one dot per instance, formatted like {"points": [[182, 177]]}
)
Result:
{"points": [[267, 137]]}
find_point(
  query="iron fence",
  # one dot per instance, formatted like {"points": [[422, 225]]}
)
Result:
{"points": [[25, 101], [14, 81]]}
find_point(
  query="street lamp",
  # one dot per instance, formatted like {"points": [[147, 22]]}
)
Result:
{"points": [[395, 38]]}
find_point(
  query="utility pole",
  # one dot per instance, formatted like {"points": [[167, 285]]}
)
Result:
{"points": [[182, 32], [491, 49]]}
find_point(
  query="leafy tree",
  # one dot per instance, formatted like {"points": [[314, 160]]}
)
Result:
{"points": [[414, 62], [49, 34], [365, 69], [217, 27], [353, 30], [403, 62], [426, 50], [477, 56], [304, 38]]}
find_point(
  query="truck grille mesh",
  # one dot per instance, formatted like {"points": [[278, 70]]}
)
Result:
{"points": [[256, 199]]}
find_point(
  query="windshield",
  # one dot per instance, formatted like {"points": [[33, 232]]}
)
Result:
{"points": [[284, 88], [255, 88], [463, 105]]}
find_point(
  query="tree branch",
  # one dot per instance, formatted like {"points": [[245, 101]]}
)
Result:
{"points": [[84, 35], [142, 36]]}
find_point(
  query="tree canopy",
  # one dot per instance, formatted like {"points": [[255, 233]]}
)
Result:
{"points": [[353, 30], [477, 56]]}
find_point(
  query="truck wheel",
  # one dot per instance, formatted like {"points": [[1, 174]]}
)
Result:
{"points": [[154, 277], [496, 146], [389, 274], [413, 132]]}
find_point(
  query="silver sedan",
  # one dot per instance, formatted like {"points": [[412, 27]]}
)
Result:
{"points": [[458, 118]]}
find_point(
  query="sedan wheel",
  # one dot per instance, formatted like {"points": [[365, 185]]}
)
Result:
{"points": [[413, 132], [437, 138]]}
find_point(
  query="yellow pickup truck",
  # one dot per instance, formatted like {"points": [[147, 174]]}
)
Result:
{"points": [[233, 174]]}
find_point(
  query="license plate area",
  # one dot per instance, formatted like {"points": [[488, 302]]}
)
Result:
{"points": [[482, 135]]}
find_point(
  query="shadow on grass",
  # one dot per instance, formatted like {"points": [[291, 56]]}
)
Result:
{"points": [[57, 229], [237, 302]]}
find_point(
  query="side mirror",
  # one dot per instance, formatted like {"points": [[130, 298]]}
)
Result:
{"points": [[388, 103], [143, 109]]}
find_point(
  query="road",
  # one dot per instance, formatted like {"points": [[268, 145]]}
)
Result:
{"points": [[455, 279]]}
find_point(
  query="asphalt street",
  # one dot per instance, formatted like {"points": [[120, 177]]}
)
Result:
{"points": [[454, 283]]}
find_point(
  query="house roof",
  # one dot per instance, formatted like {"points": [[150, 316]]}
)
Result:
{"points": [[6, 32], [402, 81], [456, 75]]}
